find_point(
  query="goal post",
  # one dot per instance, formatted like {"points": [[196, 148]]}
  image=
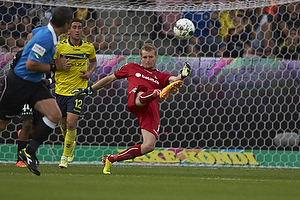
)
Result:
{"points": [[231, 111]]}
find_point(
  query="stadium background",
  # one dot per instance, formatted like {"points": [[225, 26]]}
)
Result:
{"points": [[228, 104]]}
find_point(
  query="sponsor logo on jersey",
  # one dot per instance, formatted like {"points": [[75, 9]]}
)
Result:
{"points": [[147, 78]]}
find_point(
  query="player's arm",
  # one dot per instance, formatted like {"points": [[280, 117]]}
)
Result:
{"points": [[100, 84], [33, 65], [60, 64], [92, 66], [185, 72]]}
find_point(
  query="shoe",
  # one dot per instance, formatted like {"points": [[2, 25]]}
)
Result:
{"points": [[107, 164], [63, 163], [71, 158], [30, 161], [20, 163], [172, 87]]}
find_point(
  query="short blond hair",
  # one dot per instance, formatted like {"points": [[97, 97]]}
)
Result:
{"points": [[148, 47]]}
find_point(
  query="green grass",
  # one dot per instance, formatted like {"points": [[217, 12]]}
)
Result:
{"points": [[148, 182]]}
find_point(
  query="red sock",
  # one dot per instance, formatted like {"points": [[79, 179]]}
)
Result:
{"points": [[129, 153], [149, 95]]}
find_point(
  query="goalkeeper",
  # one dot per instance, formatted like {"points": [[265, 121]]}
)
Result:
{"points": [[146, 86]]}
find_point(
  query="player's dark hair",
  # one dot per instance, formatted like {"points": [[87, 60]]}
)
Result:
{"points": [[148, 47], [76, 20], [61, 16]]}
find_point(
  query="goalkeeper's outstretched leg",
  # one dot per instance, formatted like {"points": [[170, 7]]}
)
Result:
{"points": [[148, 145]]}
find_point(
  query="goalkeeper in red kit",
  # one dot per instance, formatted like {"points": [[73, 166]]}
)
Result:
{"points": [[146, 87]]}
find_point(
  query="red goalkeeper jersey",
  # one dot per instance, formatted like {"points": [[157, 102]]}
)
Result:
{"points": [[138, 75], [149, 116]]}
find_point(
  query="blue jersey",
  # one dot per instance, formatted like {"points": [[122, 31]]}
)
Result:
{"points": [[41, 48]]}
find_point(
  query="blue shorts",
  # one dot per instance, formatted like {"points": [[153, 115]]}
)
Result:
{"points": [[70, 104]]}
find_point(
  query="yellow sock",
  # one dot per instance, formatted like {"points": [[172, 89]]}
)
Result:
{"points": [[64, 132], [69, 140]]}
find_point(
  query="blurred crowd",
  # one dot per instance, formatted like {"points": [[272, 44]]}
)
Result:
{"points": [[271, 31], [267, 32], [18, 19]]}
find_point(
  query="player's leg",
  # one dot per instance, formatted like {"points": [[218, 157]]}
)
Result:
{"points": [[146, 97], [26, 117], [71, 135], [149, 141], [3, 124], [70, 122], [63, 127], [148, 145], [52, 115], [71, 108], [23, 136]]}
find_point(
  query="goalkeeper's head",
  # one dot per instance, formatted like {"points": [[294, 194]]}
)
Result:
{"points": [[148, 56]]}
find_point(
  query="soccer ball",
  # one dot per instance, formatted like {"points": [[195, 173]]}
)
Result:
{"points": [[184, 29]]}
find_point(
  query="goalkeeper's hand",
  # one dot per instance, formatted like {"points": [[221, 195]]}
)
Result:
{"points": [[82, 91], [186, 70]]}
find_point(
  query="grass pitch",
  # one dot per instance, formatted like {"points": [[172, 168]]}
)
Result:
{"points": [[148, 183]]}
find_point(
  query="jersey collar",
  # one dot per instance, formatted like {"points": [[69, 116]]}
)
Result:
{"points": [[72, 44], [53, 33]]}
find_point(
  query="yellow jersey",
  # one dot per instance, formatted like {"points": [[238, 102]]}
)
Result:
{"points": [[226, 23], [68, 80]]}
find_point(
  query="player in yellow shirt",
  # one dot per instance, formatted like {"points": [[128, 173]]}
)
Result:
{"points": [[78, 52]]}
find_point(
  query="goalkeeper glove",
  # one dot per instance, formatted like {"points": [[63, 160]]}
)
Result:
{"points": [[82, 91], [186, 70]]}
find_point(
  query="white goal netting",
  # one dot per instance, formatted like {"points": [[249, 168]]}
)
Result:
{"points": [[239, 107]]}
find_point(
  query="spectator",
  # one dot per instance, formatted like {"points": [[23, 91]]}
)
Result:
{"points": [[263, 41], [238, 38], [103, 44], [206, 25], [226, 22], [288, 17], [40, 15], [290, 48], [14, 24], [90, 34], [85, 13], [164, 21], [94, 30]]}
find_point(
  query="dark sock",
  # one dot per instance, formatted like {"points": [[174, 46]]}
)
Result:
{"points": [[21, 144], [41, 134]]}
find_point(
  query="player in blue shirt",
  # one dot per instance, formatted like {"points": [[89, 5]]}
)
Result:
{"points": [[24, 84]]}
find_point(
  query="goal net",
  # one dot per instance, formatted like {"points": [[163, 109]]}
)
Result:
{"points": [[239, 107]]}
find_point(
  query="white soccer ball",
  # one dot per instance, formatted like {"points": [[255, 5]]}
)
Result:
{"points": [[184, 29]]}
